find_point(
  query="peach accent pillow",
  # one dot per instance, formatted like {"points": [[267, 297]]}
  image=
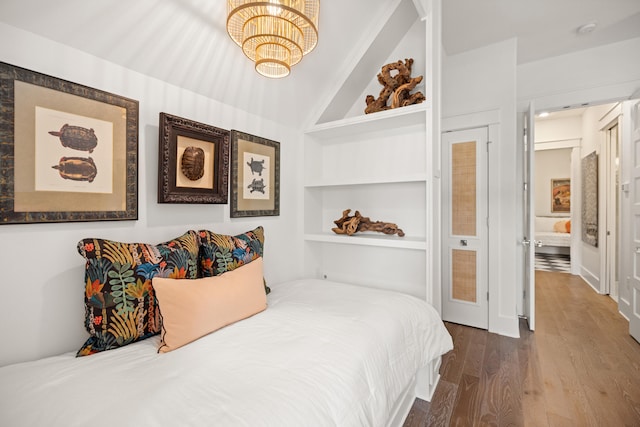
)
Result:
{"points": [[193, 308], [560, 227], [568, 226]]}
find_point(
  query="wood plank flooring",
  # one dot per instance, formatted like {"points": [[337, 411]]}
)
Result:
{"points": [[579, 368]]}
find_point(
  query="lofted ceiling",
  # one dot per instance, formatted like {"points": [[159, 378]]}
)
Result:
{"points": [[184, 42]]}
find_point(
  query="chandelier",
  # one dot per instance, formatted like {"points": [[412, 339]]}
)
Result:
{"points": [[275, 34]]}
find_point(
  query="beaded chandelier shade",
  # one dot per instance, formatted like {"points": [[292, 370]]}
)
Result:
{"points": [[275, 34]]}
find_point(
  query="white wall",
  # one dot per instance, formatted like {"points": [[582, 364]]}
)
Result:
{"points": [[479, 81], [41, 309], [605, 73], [558, 130], [592, 141]]}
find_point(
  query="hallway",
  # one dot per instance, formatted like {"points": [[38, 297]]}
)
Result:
{"points": [[579, 368]]}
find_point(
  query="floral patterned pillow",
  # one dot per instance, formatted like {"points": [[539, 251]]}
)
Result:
{"points": [[120, 304], [220, 253]]}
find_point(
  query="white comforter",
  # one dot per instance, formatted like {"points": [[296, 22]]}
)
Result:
{"points": [[322, 354], [550, 238]]}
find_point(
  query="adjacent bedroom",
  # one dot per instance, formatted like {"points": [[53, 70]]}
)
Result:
{"points": [[576, 162]]}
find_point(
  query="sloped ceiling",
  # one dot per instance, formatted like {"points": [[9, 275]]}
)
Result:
{"points": [[184, 42]]}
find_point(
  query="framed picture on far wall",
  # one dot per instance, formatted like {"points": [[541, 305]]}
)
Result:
{"points": [[69, 152], [255, 176], [561, 195]]}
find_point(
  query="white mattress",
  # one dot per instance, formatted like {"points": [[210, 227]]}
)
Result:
{"points": [[550, 238], [322, 354]]}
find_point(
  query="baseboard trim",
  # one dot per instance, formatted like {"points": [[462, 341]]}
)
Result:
{"points": [[590, 278]]}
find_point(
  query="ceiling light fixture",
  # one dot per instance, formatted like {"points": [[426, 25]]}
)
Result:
{"points": [[586, 28], [275, 34], [543, 114]]}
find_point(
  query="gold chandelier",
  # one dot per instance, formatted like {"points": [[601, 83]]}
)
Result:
{"points": [[275, 34]]}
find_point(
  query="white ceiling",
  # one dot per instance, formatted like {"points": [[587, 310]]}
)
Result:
{"points": [[184, 42], [544, 28]]}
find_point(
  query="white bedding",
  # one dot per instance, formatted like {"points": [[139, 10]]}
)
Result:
{"points": [[550, 238], [322, 354], [545, 231]]}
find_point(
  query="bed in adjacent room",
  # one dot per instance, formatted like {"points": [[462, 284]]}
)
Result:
{"points": [[553, 233], [321, 354]]}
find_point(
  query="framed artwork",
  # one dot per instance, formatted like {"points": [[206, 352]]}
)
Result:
{"points": [[561, 195], [69, 152], [255, 176], [193, 162], [590, 199]]}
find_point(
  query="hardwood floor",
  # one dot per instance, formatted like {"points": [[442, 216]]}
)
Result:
{"points": [[579, 368]]}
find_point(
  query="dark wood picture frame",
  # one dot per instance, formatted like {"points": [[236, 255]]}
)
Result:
{"points": [[68, 152], [255, 176], [179, 179]]}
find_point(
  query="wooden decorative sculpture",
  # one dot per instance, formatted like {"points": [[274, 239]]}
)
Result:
{"points": [[396, 87], [352, 224]]}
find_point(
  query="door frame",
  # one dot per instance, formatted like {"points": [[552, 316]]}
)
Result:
{"points": [[491, 120], [528, 216], [610, 266], [632, 125]]}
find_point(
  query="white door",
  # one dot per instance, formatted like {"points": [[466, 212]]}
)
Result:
{"points": [[634, 319], [529, 297], [465, 229]]}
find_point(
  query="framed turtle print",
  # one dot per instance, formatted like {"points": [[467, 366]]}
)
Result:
{"points": [[193, 162], [255, 176], [69, 152]]}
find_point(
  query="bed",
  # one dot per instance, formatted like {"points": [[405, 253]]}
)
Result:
{"points": [[321, 354], [553, 233]]}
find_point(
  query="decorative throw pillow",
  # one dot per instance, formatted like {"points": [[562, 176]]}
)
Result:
{"points": [[560, 227], [220, 253], [120, 304], [191, 309], [568, 226]]}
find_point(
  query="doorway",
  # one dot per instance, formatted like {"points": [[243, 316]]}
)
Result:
{"points": [[596, 131], [556, 183]]}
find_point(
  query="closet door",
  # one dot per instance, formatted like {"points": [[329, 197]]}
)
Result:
{"points": [[465, 234]]}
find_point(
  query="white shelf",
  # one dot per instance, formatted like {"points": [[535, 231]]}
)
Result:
{"points": [[381, 165], [411, 115], [379, 240], [367, 181]]}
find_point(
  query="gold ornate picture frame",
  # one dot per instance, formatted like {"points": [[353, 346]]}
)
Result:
{"points": [[560, 195], [68, 152], [255, 176]]}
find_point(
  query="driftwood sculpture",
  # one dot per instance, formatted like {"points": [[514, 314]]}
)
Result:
{"points": [[352, 224], [397, 87]]}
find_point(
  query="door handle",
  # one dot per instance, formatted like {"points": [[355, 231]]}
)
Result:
{"points": [[537, 243], [526, 242]]}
